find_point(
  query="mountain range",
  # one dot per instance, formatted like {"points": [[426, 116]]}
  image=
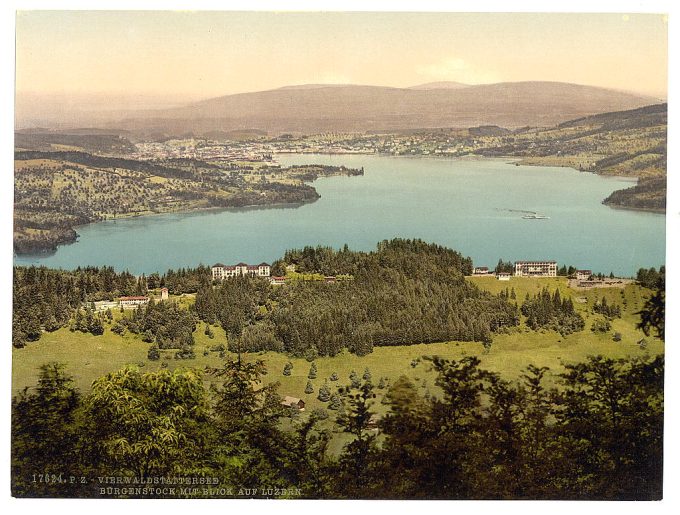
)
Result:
{"points": [[351, 108]]}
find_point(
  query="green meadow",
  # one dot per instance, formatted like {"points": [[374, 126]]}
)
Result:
{"points": [[88, 357]]}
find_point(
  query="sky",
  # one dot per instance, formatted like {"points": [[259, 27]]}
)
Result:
{"points": [[176, 56]]}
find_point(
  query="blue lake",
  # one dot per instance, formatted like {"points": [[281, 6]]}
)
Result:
{"points": [[469, 205]]}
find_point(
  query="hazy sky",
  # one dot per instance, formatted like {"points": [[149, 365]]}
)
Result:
{"points": [[205, 54]]}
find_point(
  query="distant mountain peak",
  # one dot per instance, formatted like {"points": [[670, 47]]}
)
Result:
{"points": [[311, 108], [314, 86], [443, 84]]}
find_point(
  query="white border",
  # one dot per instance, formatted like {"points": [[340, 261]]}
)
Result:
{"points": [[7, 10]]}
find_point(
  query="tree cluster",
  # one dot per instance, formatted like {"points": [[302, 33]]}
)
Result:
{"points": [[610, 311], [46, 299], [163, 323], [546, 311], [651, 278]]}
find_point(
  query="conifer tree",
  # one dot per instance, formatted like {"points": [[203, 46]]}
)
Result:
{"points": [[312, 371], [335, 403], [354, 377], [154, 354], [324, 393]]}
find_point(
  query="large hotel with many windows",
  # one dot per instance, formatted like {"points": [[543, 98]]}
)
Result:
{"points": [[221, 272], [536, 269]]}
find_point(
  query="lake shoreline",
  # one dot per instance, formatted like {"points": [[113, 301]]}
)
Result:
{"points": [[453, 202], [131, 216], [514, 160]]}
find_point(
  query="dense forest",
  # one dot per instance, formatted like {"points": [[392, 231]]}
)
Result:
{"points": [[597, 435], [648, 194], [407, 291], [47, 299]]}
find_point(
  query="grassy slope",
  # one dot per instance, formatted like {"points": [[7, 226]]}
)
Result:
{"points": [[88, 357]]}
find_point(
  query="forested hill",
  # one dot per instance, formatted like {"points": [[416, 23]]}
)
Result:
{"points": [[647, 116], [629, 143], [406, 291], [84, 158]]}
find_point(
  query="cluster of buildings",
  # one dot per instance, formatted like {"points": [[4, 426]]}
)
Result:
{"points": [[204, 150], [220, 272], [484, 271], [530, 269]]}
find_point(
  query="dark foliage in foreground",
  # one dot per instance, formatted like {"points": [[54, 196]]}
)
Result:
{"points": [[598, 435]]}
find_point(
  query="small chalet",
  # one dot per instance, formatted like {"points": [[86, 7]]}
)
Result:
{"points": [[276, 280], [481, 270], [329, 278], [293, 402], [503, 276], [583, 275]]}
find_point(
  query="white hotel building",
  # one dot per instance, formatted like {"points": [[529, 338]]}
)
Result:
{"points": [[536, 269], [221, 272]]}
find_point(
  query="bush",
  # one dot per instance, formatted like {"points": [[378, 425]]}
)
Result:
{"points": [[186, 352], [320, 413], [309, 388], [287, 369], [601, 326], [354, 378], [617, 337], [312, 372], [311, 354], [154, 354]]}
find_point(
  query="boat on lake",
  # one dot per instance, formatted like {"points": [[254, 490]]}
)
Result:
{"points": [[536, 216]]}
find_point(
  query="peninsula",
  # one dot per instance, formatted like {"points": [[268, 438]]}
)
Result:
{"points": [[56, 191]]}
